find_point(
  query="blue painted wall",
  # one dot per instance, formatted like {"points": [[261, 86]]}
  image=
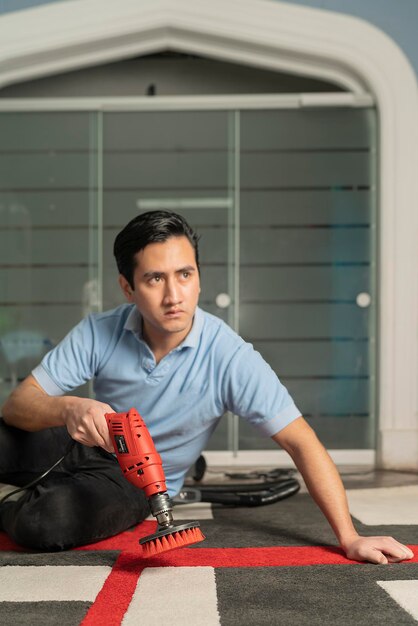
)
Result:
{"points": [[397, 18], [8, 6]]}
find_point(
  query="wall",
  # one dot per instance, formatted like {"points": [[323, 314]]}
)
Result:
{"points": [[164, 74], [397, 18], [9, 6]]}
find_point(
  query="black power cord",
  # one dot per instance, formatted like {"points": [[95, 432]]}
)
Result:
{"points": [[39, 478]]}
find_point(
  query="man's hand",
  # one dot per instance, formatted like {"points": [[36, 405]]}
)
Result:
{"points": [[380, 550], [86, 423]]}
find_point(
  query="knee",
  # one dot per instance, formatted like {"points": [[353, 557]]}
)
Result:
{"points": [[47, 521]]}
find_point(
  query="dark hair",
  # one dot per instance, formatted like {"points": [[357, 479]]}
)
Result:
{"points": [[150, 227]]}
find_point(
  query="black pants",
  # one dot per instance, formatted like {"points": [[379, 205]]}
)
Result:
{"points": [[84, 499]]}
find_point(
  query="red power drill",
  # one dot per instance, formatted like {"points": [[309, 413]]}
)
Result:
{"points": [[142, 466]]}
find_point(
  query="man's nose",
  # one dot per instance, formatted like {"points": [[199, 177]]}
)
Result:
{"points": [[172, 293]]}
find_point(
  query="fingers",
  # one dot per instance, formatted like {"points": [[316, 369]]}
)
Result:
{"points": [[372, 555], [380, 559], [87, 431], [382, 550], [103, 431], [398, 552], [87, 424], [395, 551], [388, 550]]}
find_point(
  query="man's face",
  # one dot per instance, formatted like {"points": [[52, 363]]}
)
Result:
{"points": [[166, 288]]}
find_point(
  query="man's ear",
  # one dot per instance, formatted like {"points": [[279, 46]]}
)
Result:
{"points": [[126, 288]]}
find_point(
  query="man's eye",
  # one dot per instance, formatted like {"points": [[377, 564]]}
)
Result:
{"points": [[186, 274], [155, 279]]}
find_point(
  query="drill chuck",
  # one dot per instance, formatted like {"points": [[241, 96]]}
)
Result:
{"points": [[162, 509]]}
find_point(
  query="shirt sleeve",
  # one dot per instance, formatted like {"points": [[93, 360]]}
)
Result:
{"points": [[253, 391], [71, 363]]}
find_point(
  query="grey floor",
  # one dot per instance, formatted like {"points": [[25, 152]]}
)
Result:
{"points": [[366, 477], [353, 476]]}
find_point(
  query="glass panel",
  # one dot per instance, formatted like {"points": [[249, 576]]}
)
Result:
{"points": [[285, 206], [48, 223], [183, 161], [308, 232]]}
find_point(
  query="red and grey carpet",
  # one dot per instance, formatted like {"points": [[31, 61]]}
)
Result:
{"points": [[269, 565]]}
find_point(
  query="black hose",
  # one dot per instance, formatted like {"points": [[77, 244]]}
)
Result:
{"points": [[233, 487], [233, 495]]}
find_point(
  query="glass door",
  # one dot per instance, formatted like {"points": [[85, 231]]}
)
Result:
{"points": [[308, 263], [48, 233], [182, 161], [284, 202]]}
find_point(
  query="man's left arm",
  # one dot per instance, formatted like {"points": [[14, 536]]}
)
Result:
{"points": [[326, 488]]}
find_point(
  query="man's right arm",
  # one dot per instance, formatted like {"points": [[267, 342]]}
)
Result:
{"points": [[30, 408]]}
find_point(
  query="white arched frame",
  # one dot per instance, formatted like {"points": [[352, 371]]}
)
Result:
{"points": [[273, 35]]}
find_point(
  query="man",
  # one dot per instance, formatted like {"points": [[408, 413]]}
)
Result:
{"points": [[182, 369]]}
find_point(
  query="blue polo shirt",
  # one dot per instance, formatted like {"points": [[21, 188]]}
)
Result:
{"points": [[181, 398]]}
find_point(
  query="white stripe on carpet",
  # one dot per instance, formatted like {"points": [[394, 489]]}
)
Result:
{"points": [[33, 583], [197, 510], [174, 595], [388, 505], [404, 592]]}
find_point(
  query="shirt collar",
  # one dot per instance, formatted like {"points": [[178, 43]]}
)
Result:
{"points": [[134, 324], [192, 339]]}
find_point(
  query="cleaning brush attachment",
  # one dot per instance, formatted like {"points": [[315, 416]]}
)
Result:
{"points": [[169, 535], [142, 466]]}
